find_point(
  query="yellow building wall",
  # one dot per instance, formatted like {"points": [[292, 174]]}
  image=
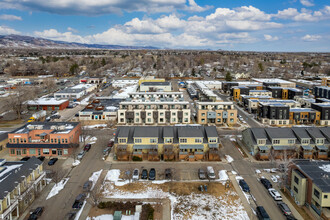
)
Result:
{"points": [[285, 94], [236, 94], [145, 141]]}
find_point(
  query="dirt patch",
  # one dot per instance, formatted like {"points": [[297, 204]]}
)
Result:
{"points": [[302, 211]]}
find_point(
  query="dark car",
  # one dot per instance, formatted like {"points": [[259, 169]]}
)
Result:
{"points": [[284, 208], [36, 213], [53, 112], [244, 185], [87, 186], [152, 174], [290, 217], [111, 143], [76, 115], [25, 158], [41, 158], [57, 116], [71, 215], [168, 173], [267, 184], [87, 147], [144, 174], [79, 201], [52, 161], [261, 213]]}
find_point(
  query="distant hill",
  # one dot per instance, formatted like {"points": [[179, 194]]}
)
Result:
{"points": [[19, 41]]}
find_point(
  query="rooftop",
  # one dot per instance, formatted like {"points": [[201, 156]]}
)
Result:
{"points": [[270, 80], [47, 101], [155, 83], [57, 127]]}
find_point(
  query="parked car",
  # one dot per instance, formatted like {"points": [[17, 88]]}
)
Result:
{"points": [[261, 213], [25, 158], [136, 174], [152, 174], [87, 186], [210, 173], [36, 213], [290, 217], [81, 155], [41, 158], [284, 208], [53, 112], [282, 168], [144, 174], [267, 184], [111, 143], [168, 173], [57, 116], [76, 115], [276, 195], [71, 215], [244, 185], [52, 161], [201, 174], [87, 147], [106, 151], [79, 201]]}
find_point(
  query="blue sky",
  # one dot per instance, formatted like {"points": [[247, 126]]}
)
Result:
{"points": [[260, 25]]}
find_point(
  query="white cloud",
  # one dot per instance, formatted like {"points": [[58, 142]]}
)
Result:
{"points": [[55, 35], [304, 14], [10, 17], [7, 30], [72, 30], [308, 37], [98, 7], [307, 3], [270, 38]]}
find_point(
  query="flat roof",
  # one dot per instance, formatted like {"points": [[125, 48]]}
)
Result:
{"points": [[155, 83], [271, 80], [47, 101]]}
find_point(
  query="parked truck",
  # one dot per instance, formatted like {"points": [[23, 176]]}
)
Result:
{"points": [[38, 116]]}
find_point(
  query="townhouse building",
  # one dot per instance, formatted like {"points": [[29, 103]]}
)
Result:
{"points": [[275, 82], [309, 186], [273, 113], [304, 116], [169, 143], [324, 109], [44, 139], [217, 113], [153, 112], [322, 92], [101, 109], [295, 142], [20, 182], [155, 86]]}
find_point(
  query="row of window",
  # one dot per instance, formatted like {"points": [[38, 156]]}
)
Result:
{"points": [[158, 107], [218, 120], [33, 151], [161, 120], [218, 114], [23, 140]]}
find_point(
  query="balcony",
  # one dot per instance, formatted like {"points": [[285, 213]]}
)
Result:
{"points": [[11, 208]]}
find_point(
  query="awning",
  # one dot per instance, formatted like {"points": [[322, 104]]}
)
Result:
{"points": [[141, 147], [42, 134], [263, 148], [321, 147], [213, 145], [284, 147], [307, 147], [192, 146]]}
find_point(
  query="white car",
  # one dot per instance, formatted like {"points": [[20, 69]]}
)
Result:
{"points": [[81, 155], [210, 173], [276, 195], [136, 174]]}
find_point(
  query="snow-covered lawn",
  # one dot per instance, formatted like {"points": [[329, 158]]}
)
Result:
{"points": [[95, 176], [229, 159], [57, 188], [110, 217], [223, 175]]}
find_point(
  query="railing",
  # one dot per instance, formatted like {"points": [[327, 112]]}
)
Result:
{"points": [[183, 153], [316, 209], [308, 153], [322, 153], [42, 175], [264, 154], [137, 153], [9, 209], [198, 153]]}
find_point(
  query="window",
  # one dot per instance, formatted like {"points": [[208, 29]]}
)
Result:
{"points": [[316, 193], [219, 114], [203, 120], [62, 141], [186, 120], [54, 151], [231, 120], [173, 119], [186, 113], [291, 141], [276, 141], [183, 140], [23, 151], [295, 189], [138, 140], [32, 151], [198, 140], [231, 114], [137, 120], [45, 151], [161, 114], [305, 141], [65, 151], [218, 120], [149, 119], [12, 151], [261, 141], [168, 140], [153, 140], [137, 114], [296, 180], [9, 140], [173, 113], [203, 114], [66, 140], [213, 140], [149, 113], [121, 114], [122, 140], [325, 196]]}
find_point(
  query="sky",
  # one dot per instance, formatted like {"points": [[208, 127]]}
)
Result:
{"points": [[259, 25]]}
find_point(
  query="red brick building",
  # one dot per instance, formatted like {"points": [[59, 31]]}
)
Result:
{"points": [[44, 139], [48, 104]]}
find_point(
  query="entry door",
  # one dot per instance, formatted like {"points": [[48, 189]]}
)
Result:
{"points": [[39, 152], [59, 152]]}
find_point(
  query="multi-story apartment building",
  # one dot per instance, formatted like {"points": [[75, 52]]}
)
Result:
{"points": [[325, 81], [169, 143], [304, 116], [100, 109], [295, 142], [260, 93], [324, 109], [155, 96], [216, 113], [310, 187], [20, 182], [305, 102], [153, 112], [275, 82], [273, 113], [322, 92], [155, 86], [44, 139]]}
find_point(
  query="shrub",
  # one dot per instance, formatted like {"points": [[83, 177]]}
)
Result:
{"points": [[136, 158]]}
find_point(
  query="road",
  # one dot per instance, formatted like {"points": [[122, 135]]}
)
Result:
{"points": [[247, 169]]}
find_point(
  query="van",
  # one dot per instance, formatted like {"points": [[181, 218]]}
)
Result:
{"points": [[210, 173], [261, 213]]}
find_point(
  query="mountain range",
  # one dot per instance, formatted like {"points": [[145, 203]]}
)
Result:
{"points": [[19, 41]]}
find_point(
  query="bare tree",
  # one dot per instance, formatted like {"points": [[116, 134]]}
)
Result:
{"points": [[50, 84], [95, 195], [74, 150], [57, 175], [84, 132]]}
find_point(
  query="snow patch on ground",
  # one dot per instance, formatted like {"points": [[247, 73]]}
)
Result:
{"points": [[223, 175], [76, 163], [229, 159], [57, 188], [95, 176], [96, 126], [325, 167], [110, 217]]}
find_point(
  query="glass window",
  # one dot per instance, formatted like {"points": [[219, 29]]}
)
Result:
{"points": [[32, 151], [65, 151], [168, 140], [316, 193], [12, 151], [183, 140], [198, 140], [45, 151], [153, 140], [122, 140], [138, 140], [296, 180], [23, 151]]}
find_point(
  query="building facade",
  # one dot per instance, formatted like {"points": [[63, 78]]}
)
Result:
{"points": [[155, 86], [169, 143], [100, 109], [48, 104], [44, 139], [217, 113]]}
